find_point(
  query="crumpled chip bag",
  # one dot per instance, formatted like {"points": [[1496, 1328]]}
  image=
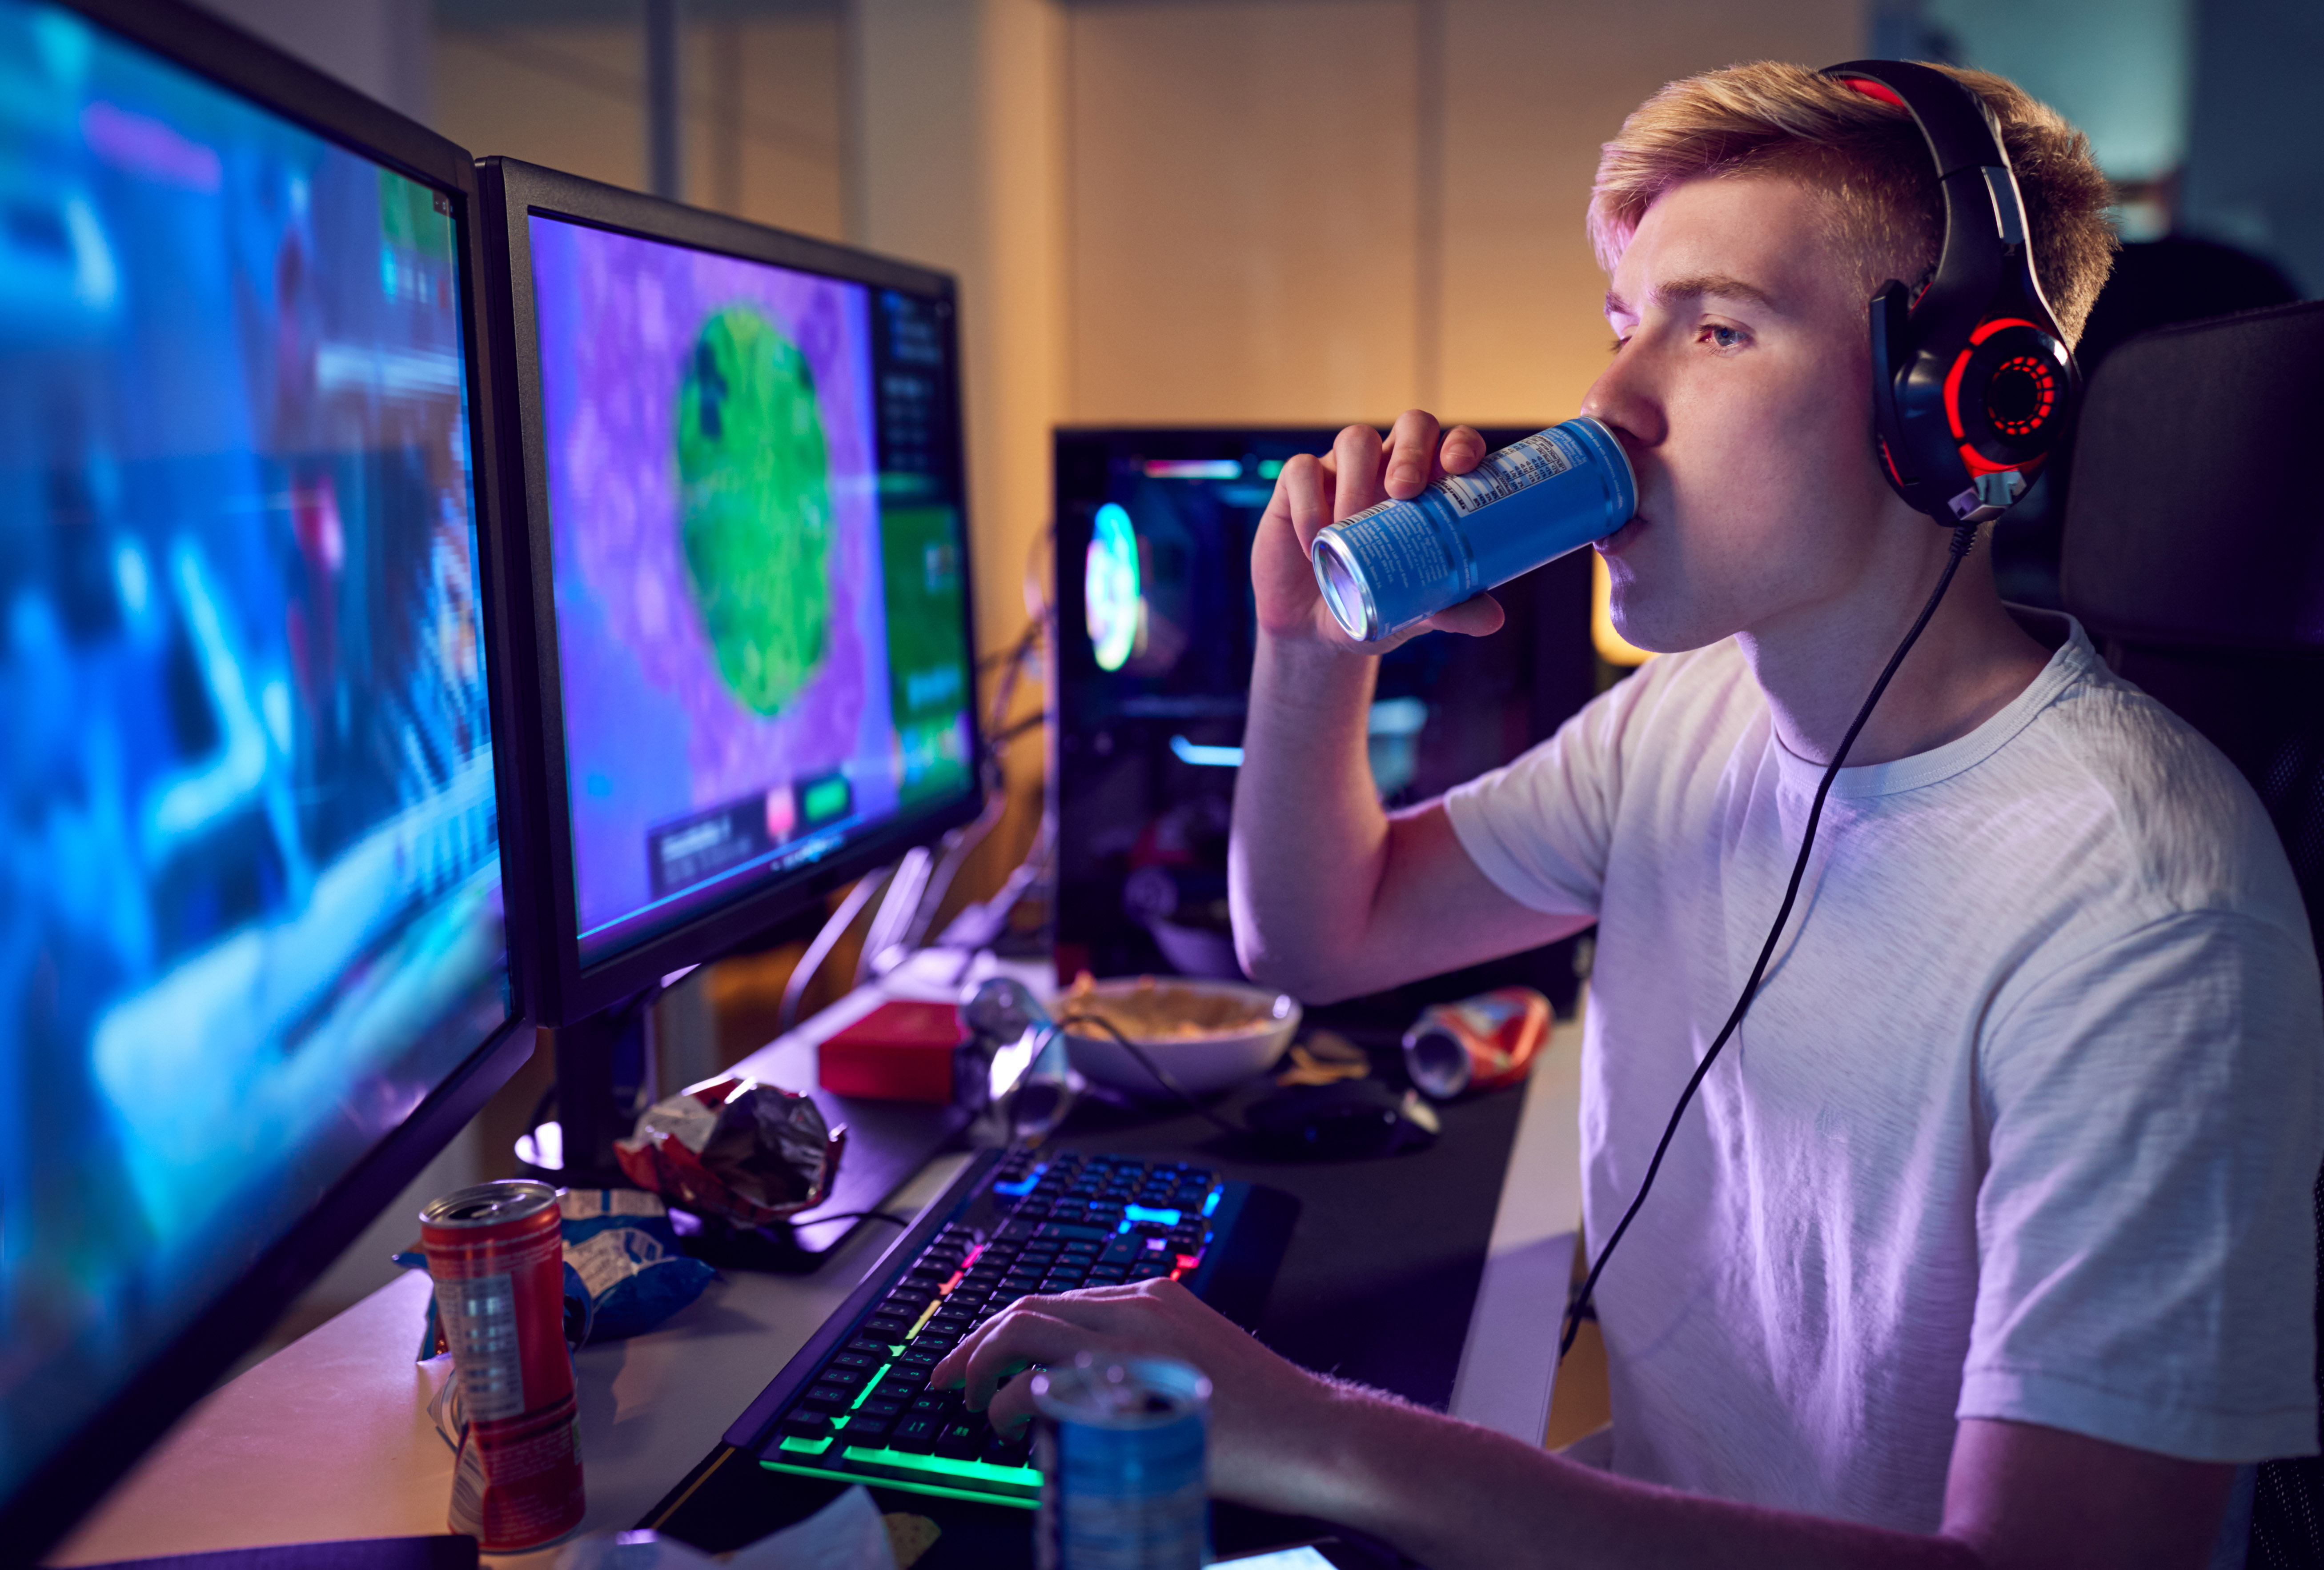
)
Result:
{"points": [[735, 1148]]}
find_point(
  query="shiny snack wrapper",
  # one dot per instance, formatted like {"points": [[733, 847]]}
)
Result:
{"points": [[735, 1148]]}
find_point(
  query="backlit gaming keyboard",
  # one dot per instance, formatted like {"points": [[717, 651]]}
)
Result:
{"points": [[854, 1403]]}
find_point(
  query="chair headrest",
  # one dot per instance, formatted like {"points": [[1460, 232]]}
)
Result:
{"points": [[2195, 512]]}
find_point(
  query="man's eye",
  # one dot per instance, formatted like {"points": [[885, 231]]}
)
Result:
{"points": [[1725, 337], [1615, 347]]}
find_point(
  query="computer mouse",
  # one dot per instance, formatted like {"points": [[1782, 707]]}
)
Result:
{"points": [[1346, 1118]]}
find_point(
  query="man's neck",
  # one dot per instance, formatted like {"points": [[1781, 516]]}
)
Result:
{"points": [[1971, 662]]}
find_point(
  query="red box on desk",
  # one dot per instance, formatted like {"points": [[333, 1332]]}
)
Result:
{"points": [[900, 1052]]}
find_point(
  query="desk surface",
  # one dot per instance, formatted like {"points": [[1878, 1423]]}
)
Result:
{"points": [[330, 1438]]}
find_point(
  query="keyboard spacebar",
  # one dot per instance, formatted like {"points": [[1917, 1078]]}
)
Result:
{"points": [[983, 1477]]}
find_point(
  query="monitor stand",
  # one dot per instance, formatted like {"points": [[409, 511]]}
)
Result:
{"points": [[604, 1078]]}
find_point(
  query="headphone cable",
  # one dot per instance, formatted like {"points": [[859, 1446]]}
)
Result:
{"points": [[1964, 538]]}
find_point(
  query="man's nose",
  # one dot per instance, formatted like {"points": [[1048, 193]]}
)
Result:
{"points": [[1624, 397]]}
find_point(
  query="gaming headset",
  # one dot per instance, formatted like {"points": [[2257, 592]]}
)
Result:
{"points": [[1972, 385]]}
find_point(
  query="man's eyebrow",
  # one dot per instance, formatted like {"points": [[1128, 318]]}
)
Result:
{"points": [[1720, 284]]}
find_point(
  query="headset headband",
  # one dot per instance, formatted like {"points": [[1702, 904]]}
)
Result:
{"points": [[1972, 381]]}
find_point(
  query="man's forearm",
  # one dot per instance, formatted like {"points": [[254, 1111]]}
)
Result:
{"points": [[1452, 1495], [1310, 840]]}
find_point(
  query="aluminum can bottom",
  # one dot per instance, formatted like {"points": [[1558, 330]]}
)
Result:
{"points": [[517, 1484]]}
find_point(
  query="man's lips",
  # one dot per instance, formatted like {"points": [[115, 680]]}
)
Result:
{"points": [[1614, 543]]}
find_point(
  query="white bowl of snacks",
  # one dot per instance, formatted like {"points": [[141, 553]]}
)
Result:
{"points": [[1205, 1034]]}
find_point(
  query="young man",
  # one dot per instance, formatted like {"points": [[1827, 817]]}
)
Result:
{"points": [[1988, 1241]]}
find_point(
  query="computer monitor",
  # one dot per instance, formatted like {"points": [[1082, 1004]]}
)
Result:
{"points": [[1156, 630], [253, 973], [744, 606]]}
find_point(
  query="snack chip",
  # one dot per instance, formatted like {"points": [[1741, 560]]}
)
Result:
{"points": [[1159, 1011]]}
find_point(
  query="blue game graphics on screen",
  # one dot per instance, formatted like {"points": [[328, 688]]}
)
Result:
{"points": [[249, 862], [760, 598]]}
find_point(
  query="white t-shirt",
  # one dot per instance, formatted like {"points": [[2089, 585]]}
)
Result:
{"points": [[2024, 1124]]}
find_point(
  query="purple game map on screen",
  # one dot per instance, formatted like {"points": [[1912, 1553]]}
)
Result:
{"points": [[713, 510]]}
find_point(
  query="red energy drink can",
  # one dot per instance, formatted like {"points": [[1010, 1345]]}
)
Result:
{"points": [[496, 1253], [1476, 1043]]}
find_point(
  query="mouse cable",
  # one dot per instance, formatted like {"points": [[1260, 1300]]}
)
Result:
{"points": [[1964, 538], [1161, 1076], [891, 1218]]}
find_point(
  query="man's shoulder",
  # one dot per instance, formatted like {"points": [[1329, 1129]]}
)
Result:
{"points": [[2100, 736], [2105, 773]]}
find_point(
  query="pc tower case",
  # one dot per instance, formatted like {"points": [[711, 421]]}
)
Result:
{"points": [[1155, 627]]}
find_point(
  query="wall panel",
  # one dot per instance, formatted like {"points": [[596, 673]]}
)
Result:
{"points": [[762, 98], [570, 97], [1240, 210], [1535, 90], [1274, 214], [763, 120]]}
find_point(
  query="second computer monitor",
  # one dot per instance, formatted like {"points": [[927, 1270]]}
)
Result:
{"points": [[747, 572]]}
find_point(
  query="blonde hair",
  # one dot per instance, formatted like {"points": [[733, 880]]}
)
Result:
{"points": [[1870, 161]]}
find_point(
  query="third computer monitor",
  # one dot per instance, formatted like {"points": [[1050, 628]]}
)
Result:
{"points": [[747, 572]]}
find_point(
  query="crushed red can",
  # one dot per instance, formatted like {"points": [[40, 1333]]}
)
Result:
{"points": [[1476, 1043], [497, 1254]]}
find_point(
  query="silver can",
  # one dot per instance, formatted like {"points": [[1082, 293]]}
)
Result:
{"points": [[1121, 1445], [1401, 562]]}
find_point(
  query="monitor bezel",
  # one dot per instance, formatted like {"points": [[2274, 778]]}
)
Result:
{"points": [[77, 1475], [561, 985]]}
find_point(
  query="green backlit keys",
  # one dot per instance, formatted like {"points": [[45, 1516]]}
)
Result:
{"points": [[1047, 1226], [936, 1474]]}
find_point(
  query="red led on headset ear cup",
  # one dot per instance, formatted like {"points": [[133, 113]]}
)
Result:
{"points": [[2022, 395], [2009, 395]]}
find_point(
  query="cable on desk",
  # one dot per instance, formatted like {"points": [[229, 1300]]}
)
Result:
{"points": [[1162, 1077], [889, 1216], [817, 951]]}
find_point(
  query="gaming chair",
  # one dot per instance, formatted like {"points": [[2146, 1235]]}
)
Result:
{"points": [[2194, 554]]}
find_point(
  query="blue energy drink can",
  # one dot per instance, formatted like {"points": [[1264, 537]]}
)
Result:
{"points": [[1121, 1446], [1532, 501]]}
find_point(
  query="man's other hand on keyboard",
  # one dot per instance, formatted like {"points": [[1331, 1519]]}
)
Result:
{"points": [[1271, 1421]]}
